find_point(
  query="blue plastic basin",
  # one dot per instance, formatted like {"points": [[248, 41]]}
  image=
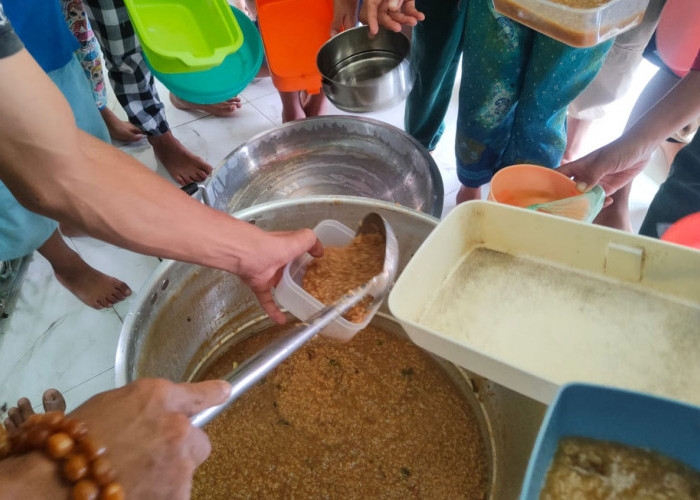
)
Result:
{"points": [[662, 425], [224, 81]]}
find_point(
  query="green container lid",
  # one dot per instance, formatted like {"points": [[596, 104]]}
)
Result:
{"points": [[220, 82], [180, 36]]}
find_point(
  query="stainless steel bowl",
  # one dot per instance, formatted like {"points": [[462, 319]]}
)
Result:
{"points": [[186, 315], [362, 73], [328, 155]]}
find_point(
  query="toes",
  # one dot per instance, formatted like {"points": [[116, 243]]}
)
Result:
{"points": [[25, 408], [53, 400], [15, 416], [9, 425]]}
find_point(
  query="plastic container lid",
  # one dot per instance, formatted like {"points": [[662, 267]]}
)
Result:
{"points": [[293, 32], [185, 35], [225, 80], [578, 27], [290, 294], [632, 418]]}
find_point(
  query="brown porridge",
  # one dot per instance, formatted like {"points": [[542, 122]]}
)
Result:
{"points": [[589, 469], [374, 418], [342, 269]]}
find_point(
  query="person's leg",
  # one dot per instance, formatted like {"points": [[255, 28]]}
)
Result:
{"points": [[221, 109], [495, 55], [556, 74], [51, 399], [436, 48], [292, 108], [134, 87], [315, 104], [611, 82], [94, 288]]}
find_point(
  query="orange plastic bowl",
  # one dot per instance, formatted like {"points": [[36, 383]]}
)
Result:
{"points": [[685, 232], [525, 185]]}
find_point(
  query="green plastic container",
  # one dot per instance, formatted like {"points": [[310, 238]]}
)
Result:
{"points": [[180, 36], [225, 80]]}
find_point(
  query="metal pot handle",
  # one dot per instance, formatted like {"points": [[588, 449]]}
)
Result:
{"points": [[193, 188]]}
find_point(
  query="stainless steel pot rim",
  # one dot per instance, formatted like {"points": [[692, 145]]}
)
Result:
{"points": [[372, 82], [120, 362], [321, 119]]}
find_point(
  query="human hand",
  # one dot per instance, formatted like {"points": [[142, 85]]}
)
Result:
{"points": [[262, 269], [392, 14], [146, 429], [612, 166], [344, 15]]}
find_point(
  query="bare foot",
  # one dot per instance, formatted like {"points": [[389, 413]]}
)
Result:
{"points": [[221, 109], [182, 165], [94, 288], [314, 104], [467, 194], [52, 400], [292, 108], [120, 130]]}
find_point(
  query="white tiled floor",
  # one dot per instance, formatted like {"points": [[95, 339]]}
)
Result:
{"points": [[51, 339]]}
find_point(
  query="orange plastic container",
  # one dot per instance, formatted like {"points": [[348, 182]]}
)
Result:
{"points": [[526, 185], [293, 31]]}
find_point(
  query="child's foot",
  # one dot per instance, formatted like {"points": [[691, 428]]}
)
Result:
{"points": [[183, 166], [120, 130], [94, 288], [314, 104], [467, 194], [221, 109], [52, 400]]}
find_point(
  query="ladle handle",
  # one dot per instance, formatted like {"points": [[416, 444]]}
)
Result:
{"points": [[265, 360]]}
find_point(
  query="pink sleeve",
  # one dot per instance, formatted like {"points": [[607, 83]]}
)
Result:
{"points": [[696, 64]]}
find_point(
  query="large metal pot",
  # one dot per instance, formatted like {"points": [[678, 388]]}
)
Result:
{"points": [[185, 315], [328, 155]]}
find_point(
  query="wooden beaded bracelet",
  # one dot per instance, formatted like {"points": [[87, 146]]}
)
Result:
{"points": [[81, 459]]}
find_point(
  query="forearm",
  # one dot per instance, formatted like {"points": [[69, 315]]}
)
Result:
{"points": [[56, 170], [676, 110], [31, 476]]}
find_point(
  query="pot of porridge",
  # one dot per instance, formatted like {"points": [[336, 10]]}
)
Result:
{"points": [[418, 425]]}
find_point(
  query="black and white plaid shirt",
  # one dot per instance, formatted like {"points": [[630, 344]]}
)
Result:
{"points": [[131, 79]]}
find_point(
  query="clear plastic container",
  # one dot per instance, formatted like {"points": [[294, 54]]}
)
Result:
{"points": [[290, 294], [575, 26]]}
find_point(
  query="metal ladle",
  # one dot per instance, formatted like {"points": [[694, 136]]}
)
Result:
{"points": [[265, 360]]}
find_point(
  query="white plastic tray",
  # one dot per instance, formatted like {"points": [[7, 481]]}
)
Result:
{"points": [[290, 294], [542, 301]]}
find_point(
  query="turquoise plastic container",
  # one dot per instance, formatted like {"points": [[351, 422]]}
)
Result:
{"points": [[662, 425], [224, 81], [185, 35]]}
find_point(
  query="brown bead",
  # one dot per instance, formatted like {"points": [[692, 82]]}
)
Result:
{"points": [[59, 445], [37, 436], [75, 467], [102, 471], [85, 490], [113, 491], [74, 428], [53, 420], [91, 448], [34, 420]]}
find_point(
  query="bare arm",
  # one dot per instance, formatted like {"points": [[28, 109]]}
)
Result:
{"points": [[59, 171], [615, 165]]}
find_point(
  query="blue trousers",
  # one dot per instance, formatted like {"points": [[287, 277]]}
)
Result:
{"points": [[516, 85]]}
